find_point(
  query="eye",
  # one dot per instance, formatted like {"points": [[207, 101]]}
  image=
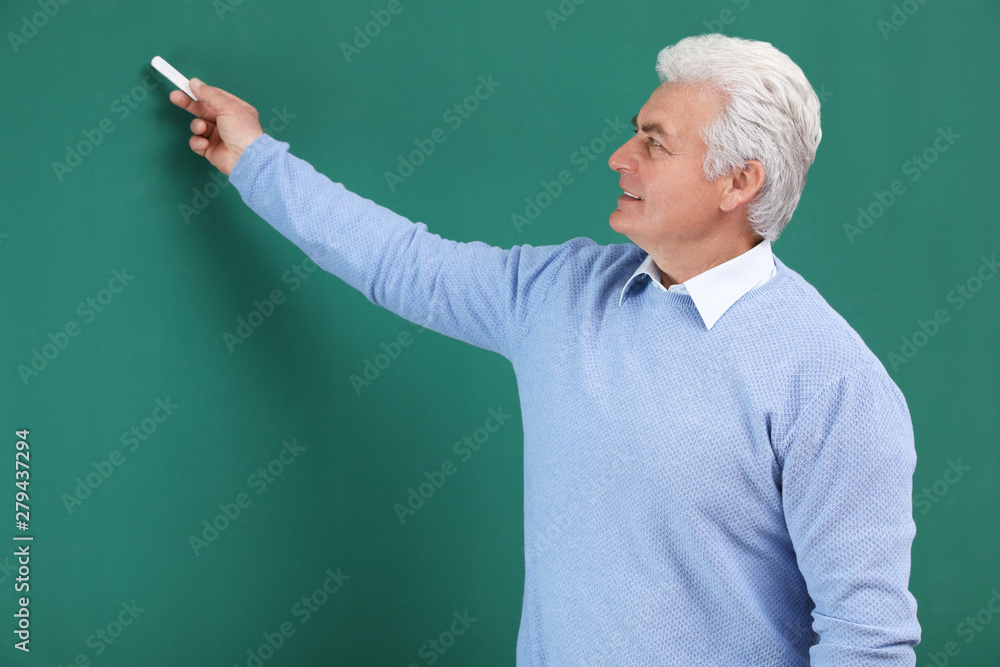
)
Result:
{"points": [[650, 141]]}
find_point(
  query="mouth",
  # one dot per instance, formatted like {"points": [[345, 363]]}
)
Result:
{"points": [[630, 197]]}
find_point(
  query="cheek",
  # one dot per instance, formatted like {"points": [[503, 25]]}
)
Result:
{"points": [[676, 191], [680, 198], [693, 190]]}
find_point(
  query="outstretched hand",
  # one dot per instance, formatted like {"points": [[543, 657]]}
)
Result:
{"points": [[225, 125]]}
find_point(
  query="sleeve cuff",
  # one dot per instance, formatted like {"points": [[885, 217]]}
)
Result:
{"points": [[252, 156]]}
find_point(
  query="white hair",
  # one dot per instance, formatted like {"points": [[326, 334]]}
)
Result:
{"points": [[770, 113]]}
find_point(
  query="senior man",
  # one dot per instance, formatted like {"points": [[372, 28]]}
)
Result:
{"points": [[717, 470]]}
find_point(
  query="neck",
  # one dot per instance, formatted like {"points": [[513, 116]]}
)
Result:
{"points": [[681, 260]]}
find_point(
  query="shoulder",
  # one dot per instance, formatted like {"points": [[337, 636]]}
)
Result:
{"points": [[582, 258], [807, 326], [818, 355]]}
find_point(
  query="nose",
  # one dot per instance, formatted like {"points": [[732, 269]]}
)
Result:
{"points": [[623, 159]]}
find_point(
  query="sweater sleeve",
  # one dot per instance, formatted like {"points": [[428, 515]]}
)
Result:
{"points": [[847, 479], [474, 292]]}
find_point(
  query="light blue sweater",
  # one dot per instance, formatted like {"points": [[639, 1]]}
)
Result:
{"points": [[733, 496]]}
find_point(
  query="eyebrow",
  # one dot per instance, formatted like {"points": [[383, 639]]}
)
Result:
{"points": [[653, 128]]}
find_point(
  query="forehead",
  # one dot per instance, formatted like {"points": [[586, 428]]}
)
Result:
{"points": [[680, 108]]}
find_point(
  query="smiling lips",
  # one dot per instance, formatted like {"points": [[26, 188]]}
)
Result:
{"points": [[628, 196]]}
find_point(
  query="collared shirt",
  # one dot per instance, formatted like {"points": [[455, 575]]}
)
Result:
{"points": [[715, 290]]}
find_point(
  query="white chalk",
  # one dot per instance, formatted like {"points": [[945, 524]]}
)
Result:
{"points": [[175, 77]]}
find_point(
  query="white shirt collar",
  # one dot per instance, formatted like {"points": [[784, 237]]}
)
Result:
{"points": [[715, 290]]}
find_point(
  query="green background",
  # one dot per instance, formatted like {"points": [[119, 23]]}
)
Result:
{"points": [[62, 234]]}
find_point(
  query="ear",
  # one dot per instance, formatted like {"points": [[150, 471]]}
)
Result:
{"points": [[742, 186]]}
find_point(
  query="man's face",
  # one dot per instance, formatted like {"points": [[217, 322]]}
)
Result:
{"points": [[663, 165]]}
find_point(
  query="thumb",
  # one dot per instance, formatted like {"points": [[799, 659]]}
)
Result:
{"points": [[214, 97]]}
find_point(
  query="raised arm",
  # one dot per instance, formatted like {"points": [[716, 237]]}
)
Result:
{"points": [[473, 292]]}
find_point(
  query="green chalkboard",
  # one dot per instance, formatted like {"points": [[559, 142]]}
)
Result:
{"points": [[220, 435]]}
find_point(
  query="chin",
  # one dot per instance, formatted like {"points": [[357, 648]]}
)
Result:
{"points": [[619, 221]]}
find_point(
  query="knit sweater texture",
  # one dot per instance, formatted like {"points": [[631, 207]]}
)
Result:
{"points": [[733, 496]]}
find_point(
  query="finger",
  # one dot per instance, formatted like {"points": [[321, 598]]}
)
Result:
{"points": [[204, 146], [215, 139], [197, 108], [202, 127], [217, 98], [198, 144]]}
